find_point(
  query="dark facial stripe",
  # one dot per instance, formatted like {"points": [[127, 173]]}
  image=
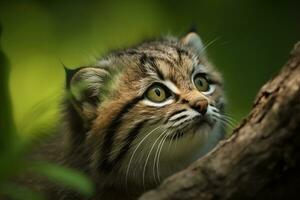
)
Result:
{"points": [[128, 52], [158, 51], [112, 129], [156, 55], [179, 118], [167, 61], [174, 113], [181, 50], [133, 133], [179, 55], [151, 61]]}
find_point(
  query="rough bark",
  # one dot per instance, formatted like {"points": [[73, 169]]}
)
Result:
{"points": [[261, 160]]}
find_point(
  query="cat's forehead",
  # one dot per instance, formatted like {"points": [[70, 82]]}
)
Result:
{"points": [[165, 59], [159, 61]]}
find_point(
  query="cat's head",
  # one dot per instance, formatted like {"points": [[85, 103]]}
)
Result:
{"points": [[158, 103]]}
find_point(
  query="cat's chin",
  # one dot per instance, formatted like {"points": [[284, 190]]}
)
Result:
{"points": [[174, 155]]}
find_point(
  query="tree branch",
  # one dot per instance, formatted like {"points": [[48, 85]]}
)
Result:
{"points": [[261, 157]]}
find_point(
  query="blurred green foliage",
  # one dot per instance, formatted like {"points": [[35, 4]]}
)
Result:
{"points": [[252, 41], [14, 146]]}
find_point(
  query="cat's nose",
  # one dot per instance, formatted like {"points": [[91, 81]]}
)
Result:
{"points": [[200, 106]]}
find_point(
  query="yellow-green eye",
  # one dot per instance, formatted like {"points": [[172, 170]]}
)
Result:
{"points": [[201, 83], [157, 93]]}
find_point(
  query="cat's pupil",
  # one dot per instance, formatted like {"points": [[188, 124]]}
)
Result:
{"points": [[157, 92], [200, 82]]}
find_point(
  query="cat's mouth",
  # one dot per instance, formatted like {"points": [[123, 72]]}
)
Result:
{"points": [[188, 127]]}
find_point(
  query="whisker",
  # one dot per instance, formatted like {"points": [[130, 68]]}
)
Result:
{"points": [[146, 162], [223, 125], [226, 123], [155, 158], [224, 115], [157, 154], [170, 141], [229, 116], [157, 166], [210, 43], [131, 158], [229, 120]]}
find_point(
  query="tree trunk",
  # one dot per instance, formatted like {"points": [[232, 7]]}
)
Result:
{"points": [[260, 160]]}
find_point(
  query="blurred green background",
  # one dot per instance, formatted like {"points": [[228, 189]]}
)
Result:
{"points": [[253, 40]]}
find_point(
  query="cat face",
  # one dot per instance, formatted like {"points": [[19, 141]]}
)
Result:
{"points": [[151, 109]]}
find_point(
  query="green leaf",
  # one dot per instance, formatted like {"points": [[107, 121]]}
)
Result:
{"points": [[65, 176]]}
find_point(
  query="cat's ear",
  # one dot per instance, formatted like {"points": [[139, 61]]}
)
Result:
{"points": [[193, 40], [84, 87]]}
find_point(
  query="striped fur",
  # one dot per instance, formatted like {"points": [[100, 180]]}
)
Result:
{"points": [[126, 133]]}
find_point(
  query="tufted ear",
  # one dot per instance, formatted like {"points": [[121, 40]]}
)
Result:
{"points": [[84, 88], [193, 40]]}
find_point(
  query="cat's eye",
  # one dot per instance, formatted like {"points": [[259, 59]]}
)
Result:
{"points": [[157, 93], [201, 83]]}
